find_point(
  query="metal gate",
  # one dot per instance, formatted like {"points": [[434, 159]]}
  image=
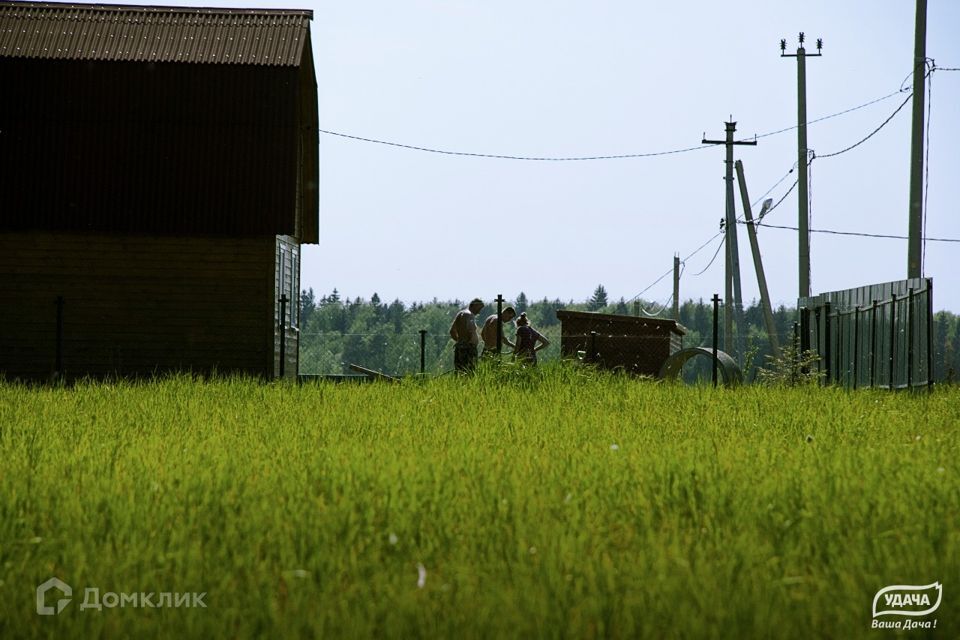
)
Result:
{"points": [[874, 336]]}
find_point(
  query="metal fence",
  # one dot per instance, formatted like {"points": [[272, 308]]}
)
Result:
{"points": [[876, 336]]}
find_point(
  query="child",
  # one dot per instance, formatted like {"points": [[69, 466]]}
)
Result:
{"points": [[527, 338]]}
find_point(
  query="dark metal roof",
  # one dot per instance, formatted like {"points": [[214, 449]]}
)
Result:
{"points": [[636, 324], [152, 34]]}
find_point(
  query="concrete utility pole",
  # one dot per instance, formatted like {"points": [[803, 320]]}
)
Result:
{"points": [[758, 262], [676, 287], [802, 152], [733, 255], [915, 242]]}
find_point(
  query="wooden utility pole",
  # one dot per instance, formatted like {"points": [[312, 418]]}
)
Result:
{"points": [[803, 221], [757, 261], [733, 302], [676, 288], [915, 242]]}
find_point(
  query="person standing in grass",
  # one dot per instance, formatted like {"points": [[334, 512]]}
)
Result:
{"points": [[464, 334], [528, 341], [489, 331]]}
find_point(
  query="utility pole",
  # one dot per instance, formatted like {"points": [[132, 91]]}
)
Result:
{"points": [[915, 242], [676, 288], [500, 302], [803, 222], [716, 306], [733, 255], [757, 261]]}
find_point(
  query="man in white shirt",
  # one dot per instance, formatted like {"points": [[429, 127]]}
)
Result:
{"points": [[464, 333]]}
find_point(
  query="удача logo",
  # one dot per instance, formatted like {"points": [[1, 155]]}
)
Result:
{"points": [[907, 600]]}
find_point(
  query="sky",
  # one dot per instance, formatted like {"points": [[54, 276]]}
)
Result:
{"points": [[563, 78]]}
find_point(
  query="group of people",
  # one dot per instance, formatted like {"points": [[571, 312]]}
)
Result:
{"points": [[468, 338]]}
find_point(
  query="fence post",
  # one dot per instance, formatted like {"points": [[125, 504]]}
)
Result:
{"points": [[929, 305], [856, 346], [58, 363], [796, 352], [423, 350], [873, 344], [910, 338], [499, 323], [593, 346], [716, 312], [816, 325], [827, 343], [283, 334], [893, 334], [841, 357]]}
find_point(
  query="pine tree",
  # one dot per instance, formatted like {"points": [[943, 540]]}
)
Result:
{"points": [[954, 370], [522, 302], [395, 314], [308, 304], [599, 299], [622, 308]]}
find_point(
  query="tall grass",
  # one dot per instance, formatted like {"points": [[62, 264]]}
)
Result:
{"points": [[539, 503]]}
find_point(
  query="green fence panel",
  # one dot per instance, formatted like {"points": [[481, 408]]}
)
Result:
{"points": [[875, 336]]}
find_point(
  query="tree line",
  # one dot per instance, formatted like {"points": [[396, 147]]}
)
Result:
{"points": [[336, 331]]}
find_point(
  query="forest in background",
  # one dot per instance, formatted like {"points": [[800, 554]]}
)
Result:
{"points": [[336, 330]]}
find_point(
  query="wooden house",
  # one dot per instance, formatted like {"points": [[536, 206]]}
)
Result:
{"points": [[158, 176]]}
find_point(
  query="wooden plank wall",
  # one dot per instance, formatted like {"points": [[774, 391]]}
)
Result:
{"points": [[134, 305]]}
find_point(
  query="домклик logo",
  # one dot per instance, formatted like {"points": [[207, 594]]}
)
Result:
{"points": [[53, 583]]}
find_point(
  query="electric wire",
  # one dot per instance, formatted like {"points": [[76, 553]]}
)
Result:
{"points": [[828, 117], [710, 264], [776, 184], [855, 233], [669, 271], [870, 135], [505, 156], [501, 156]]}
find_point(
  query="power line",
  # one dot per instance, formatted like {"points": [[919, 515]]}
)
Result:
{"points": [[784, 197], [504, 156], [670, 270], [871, 134], [777, 184], [515, 157], [721, 233], [854, 233], [832, 115], [710, 264]]}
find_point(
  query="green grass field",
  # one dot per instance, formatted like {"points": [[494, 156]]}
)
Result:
{"points": [[556, 503]]}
